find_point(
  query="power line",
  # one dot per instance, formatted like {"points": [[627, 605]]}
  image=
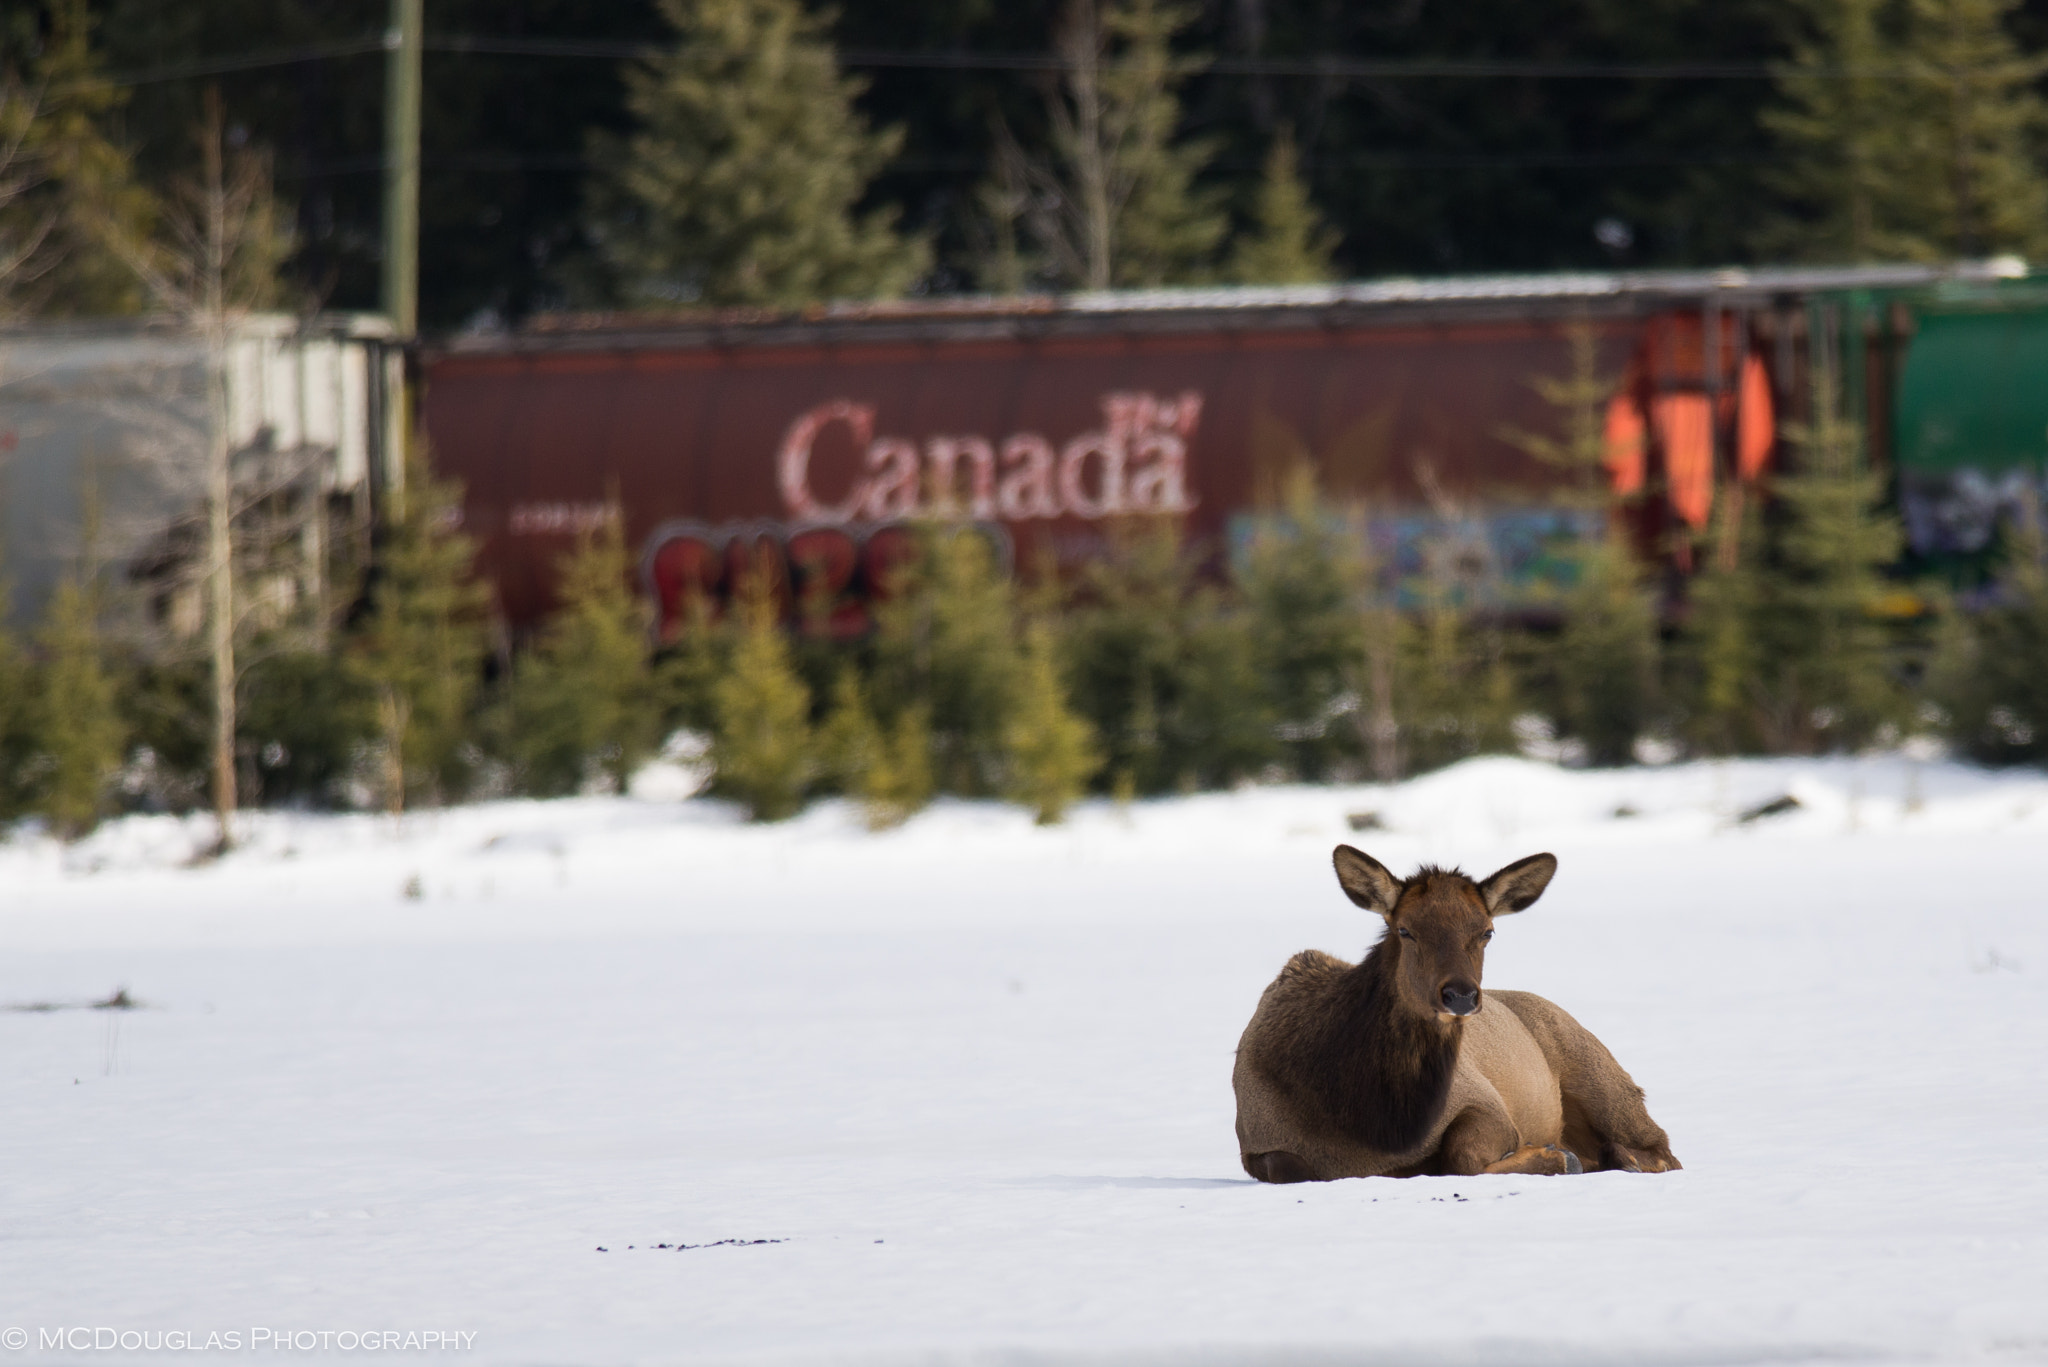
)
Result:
{"points": [[1322, 67], [518, 163], [221, 66], [1354, 67]]}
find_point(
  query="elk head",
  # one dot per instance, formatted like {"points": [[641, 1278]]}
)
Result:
{"points": [[1438, 923]]}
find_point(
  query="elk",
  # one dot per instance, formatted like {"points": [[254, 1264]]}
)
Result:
{"points": [[1399, 1066]]}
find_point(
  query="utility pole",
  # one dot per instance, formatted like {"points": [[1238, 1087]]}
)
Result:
{"points": [[402, 166]]}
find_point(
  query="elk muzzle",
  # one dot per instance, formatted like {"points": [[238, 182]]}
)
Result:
{"points": [[1459, 999]]}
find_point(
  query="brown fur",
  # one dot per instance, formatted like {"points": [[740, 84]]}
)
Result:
{"points": [[1399, 1065]]}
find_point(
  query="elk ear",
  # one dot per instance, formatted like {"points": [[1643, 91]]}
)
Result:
{"points": [[1516, 887], [1366, 881]]}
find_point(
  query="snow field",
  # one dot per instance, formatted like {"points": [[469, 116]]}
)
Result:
{"points": [[975, 1077]]}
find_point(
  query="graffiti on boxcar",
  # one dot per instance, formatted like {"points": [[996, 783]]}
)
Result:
{"points": [[1135, 462], [824, 579]]}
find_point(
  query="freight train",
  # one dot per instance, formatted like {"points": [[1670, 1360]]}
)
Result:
{"points": [[812, 441]]}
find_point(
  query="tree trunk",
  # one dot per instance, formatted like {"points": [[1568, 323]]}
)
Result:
{"points": [[220, 592], [1082, 41], [1383, 732], [394, 713], [220, 512]]}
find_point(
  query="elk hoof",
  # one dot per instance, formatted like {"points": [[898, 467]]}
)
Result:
{"points": [[1572, 1165], [1626, 1159]]}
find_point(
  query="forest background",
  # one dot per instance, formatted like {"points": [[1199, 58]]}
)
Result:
{"points": [[757, 152]]}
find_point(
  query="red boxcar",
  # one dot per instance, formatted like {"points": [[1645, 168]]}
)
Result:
{"points": [[817, 436]]}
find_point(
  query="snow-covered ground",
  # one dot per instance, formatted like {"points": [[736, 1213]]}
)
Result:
{"points": [[970, 1079]]}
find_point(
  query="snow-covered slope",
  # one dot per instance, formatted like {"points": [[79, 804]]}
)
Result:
{"points": [[972, 1077]]}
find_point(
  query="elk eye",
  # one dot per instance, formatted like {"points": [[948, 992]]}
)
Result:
{"points": [[1402, 931], [1487, 936]]}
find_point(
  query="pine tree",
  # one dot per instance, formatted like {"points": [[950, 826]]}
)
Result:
{"points": [[890, 770], [1454, 693], [1126, 641], [849, 743], [1302, 586], [64, 183], [1050, 749], [305, 726], [1606, 653], [1978, 153], [1163, 668], [17, 721], [1840, 120], [419, 649], [689, 664], [1168, 228], [1225, 728], [77, 722], [947, 638], [214, 257], [1831, 670], [1917, 138], [899, 782], [1720, 655], [1288, 242], [583, 701], [1990, 667], [742, 184], [1117, 202], [1605, 657], [761, 742]]}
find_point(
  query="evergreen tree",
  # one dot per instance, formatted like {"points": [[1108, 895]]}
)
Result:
{"points": [[17, 723], [1455, 692], [1918, 137], [899, 783], [1164, 669], [165, 713], [1226, 727], [304, 725], [419, 649], [1126, 638], [64, 183], [761, 743], [1288, 242], [214, 257], [947, 638], [582, 703], [77, 724], [688, 669], [1117, 203], [742, 184], [890, 770], [1720, 655], [1606, 653], [1978, 153], [1605, 657], [1168, 228], [1990, 668], [1840, 120], [1302, 587], [1831, 673], [849, 743], [1050, 750]]}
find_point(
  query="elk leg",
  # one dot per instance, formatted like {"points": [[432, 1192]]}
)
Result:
{"points": [[1484, 1140], [1277, 1166], [1545, 1160], [1605, 1119]]}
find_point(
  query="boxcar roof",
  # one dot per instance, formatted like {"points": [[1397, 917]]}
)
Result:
{"points": [[1205, 309]]}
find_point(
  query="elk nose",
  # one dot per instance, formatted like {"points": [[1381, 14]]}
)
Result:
{"points": [[1460, 999]]}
